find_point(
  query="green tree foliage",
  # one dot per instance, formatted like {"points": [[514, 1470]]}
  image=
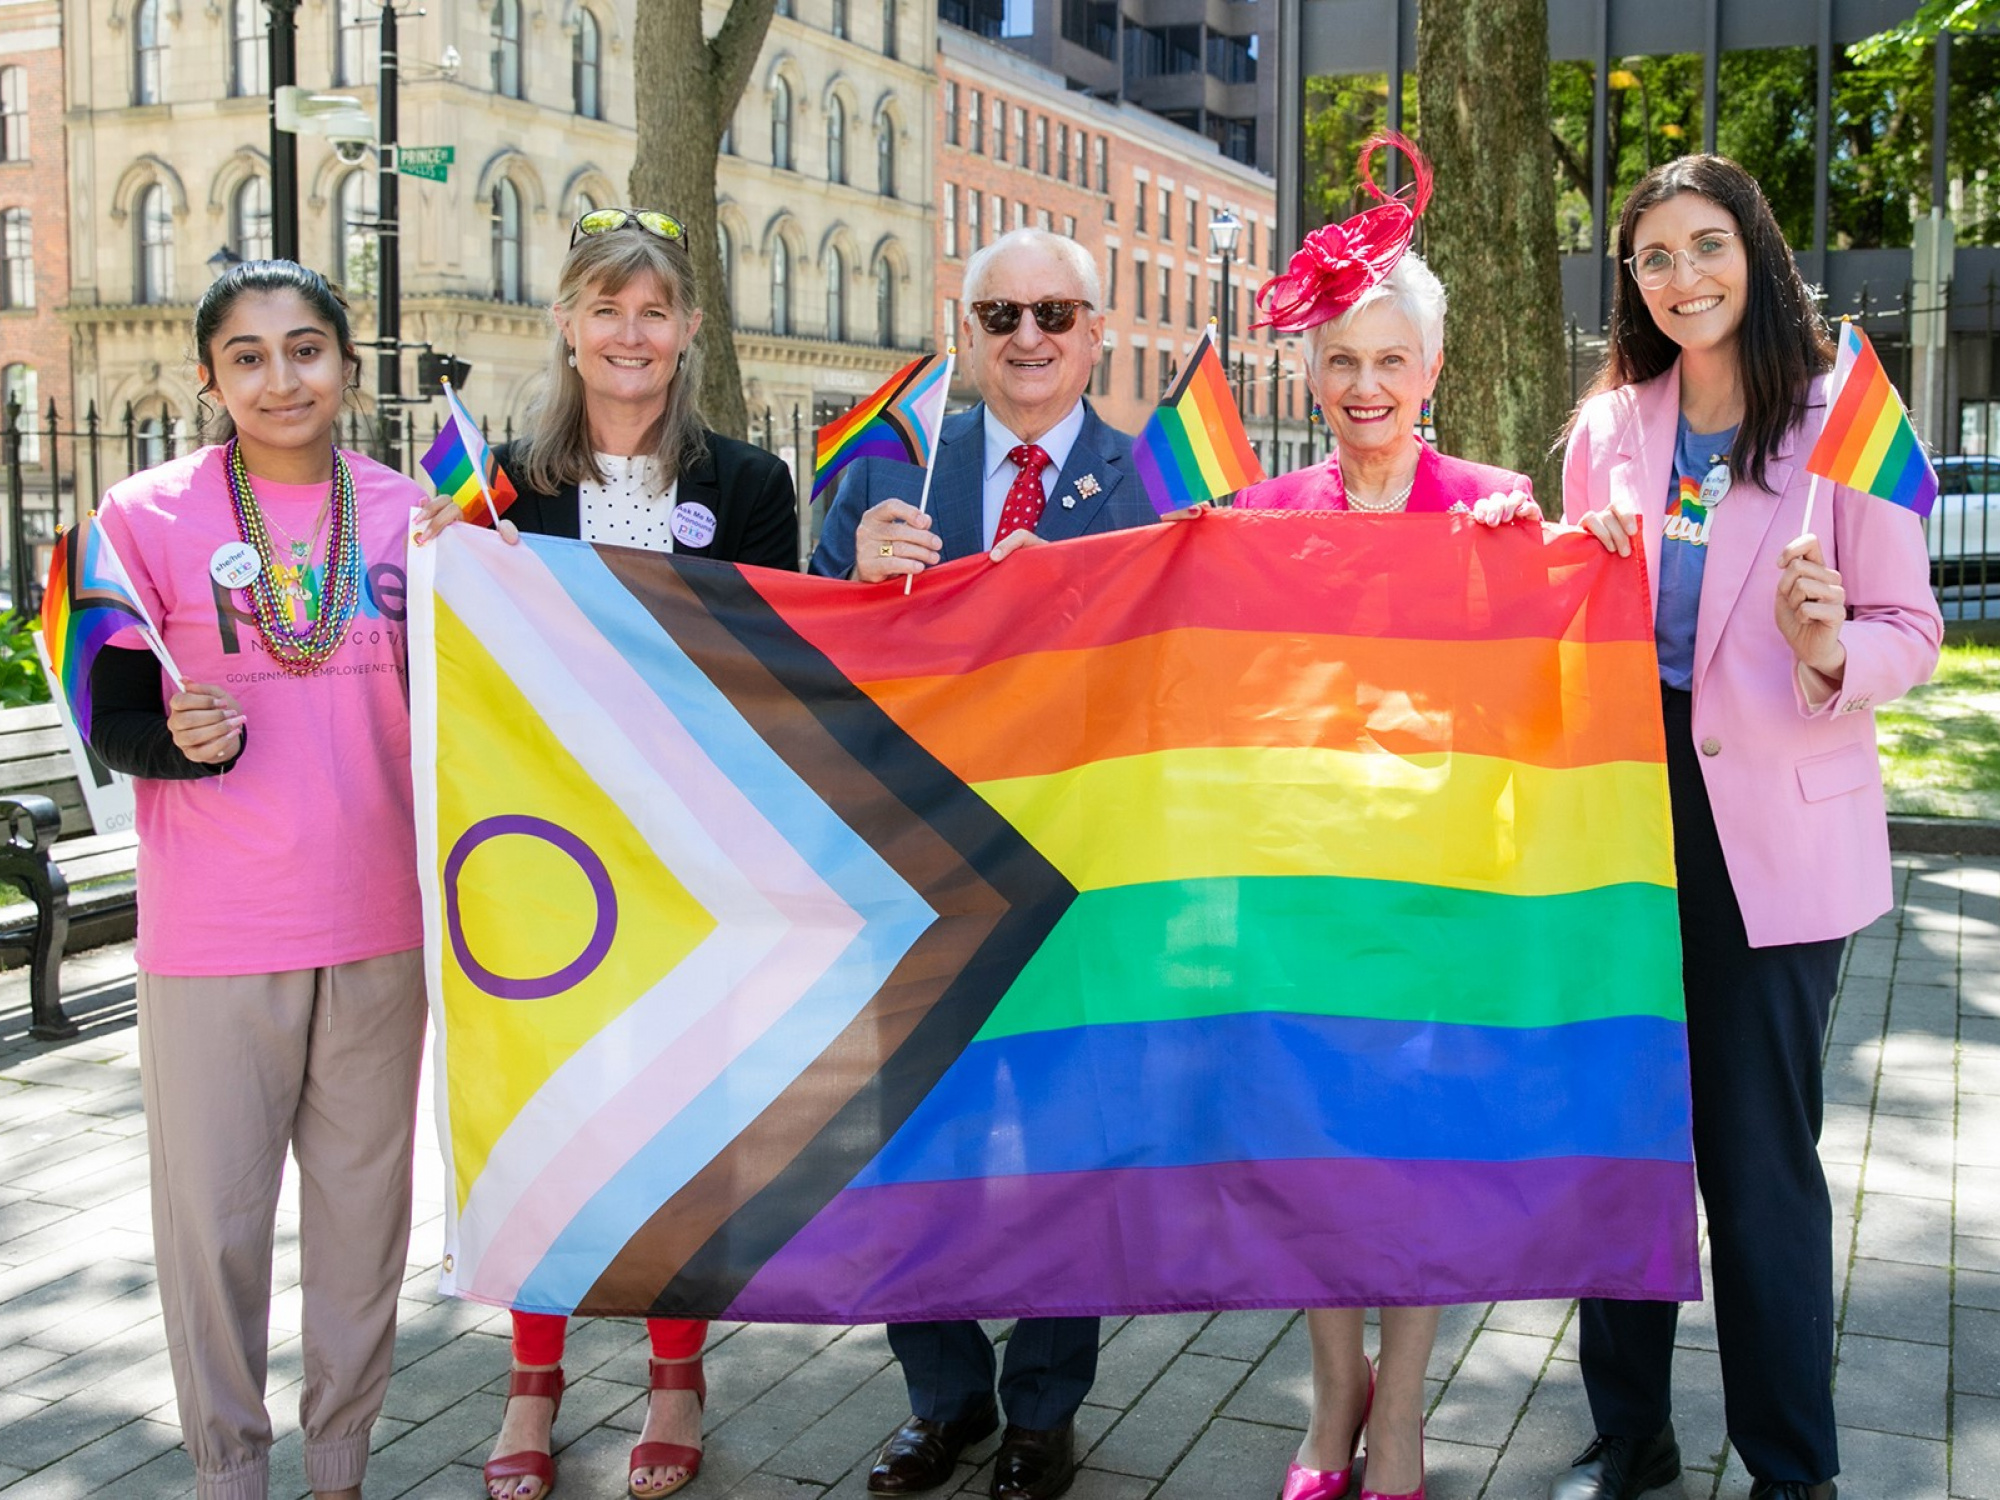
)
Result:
{"points": [[1341, 113]]}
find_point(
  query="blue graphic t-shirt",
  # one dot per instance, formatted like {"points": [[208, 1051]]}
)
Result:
{"points": [[1684, 550]]}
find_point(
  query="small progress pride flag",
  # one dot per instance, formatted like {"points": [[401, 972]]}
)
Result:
{"points": [[900, 421], [464, 468], [88, 600], [1867, 443], [1193, 447]]}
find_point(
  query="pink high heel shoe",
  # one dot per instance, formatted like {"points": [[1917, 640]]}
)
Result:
{"points": [[1415, 1494], [1302, 1483]]}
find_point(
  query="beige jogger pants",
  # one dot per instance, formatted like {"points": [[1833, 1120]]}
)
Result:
{"points": [[232, 1070]]}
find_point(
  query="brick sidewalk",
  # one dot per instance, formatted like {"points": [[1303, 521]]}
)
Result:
{"points": [[1184, 1407]]}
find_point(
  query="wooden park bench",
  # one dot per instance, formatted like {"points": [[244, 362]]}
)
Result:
{"points": [[83, 885]]}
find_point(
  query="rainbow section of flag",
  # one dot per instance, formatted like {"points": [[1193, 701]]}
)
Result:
{"points": [[900, 421], [456, 460], [89, 598], [1161, 897], [1867, 442], [1193, 447]]}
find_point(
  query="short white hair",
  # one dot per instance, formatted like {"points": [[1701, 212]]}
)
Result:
{"points": [[1412, 288], [1059, 245]]}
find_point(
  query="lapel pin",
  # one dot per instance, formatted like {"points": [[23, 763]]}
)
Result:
{"points": [[1069, 502], [1086, 487]]}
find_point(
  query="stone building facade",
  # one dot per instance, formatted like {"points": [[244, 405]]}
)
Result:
{"points": [[34, 226]]}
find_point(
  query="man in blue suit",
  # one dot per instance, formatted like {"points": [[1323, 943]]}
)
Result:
{"points": [[1031, 463]]}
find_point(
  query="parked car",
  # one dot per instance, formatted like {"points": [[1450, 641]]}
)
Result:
{"points": [[1964, 525]]}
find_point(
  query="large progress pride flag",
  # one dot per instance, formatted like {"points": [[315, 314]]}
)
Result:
{"points": [[1264, 910]]}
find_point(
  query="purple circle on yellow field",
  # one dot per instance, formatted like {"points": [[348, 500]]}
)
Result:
{"points": [[570, 974]]}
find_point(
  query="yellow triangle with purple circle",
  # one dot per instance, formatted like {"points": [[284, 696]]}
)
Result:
{"points": [[557, 917]]}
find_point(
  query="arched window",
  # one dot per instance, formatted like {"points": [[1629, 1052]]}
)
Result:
{"points": [[17, 259], [586, 68], [504, 25], [149, 52], [836, 293], [885, 302], [781, 124], [353, 232], [250, 219], [885, 156], [249, 48], [725, 252], [13, 114], [585, 204], [152, 431], [18, 388], [507, 280], [154, 221], [355, 46], [781, 286], [836, 140]]}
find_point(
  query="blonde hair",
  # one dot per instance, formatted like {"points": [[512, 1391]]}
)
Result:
{"points": [[559, 447]]}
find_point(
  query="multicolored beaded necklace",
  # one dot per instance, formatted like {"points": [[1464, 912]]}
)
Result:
{"points": [[300, 651]]}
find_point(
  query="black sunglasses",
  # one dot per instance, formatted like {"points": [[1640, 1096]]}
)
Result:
{"points": [[608, 220], [1055, 315]]}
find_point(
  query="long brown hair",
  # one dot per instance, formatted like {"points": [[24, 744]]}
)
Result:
{"points": [[1782, 342], [559, 448]]}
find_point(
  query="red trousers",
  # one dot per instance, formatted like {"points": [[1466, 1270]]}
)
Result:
{"points": [[538, 1337]]}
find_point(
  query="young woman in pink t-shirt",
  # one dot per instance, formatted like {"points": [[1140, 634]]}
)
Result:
{"points": [[281, 995]]}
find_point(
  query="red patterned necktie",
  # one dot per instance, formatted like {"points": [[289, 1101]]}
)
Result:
{"points": [[1024, 496]]}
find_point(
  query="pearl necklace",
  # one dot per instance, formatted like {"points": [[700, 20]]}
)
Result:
{"points": [[1382, 508]]}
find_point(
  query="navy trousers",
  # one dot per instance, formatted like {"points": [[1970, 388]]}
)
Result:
{"points": [[1756, 1021], [1049, 1365]]}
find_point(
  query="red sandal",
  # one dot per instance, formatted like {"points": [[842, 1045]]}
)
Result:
{"points": [[680, 1375], [530, 1465]]}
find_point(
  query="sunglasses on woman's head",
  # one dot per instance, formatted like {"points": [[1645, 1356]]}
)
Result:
{"points": [[1055, 315], [606, 220]]}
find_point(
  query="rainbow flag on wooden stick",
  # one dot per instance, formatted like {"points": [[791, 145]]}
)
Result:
{"points": [[1867, 442], [462, 466], [89, 598], [900, 421], [1193, 447], [1162, 901]]}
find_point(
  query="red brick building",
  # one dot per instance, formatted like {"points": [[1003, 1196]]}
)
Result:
{"points": [[1019, 148], [34, 228]]}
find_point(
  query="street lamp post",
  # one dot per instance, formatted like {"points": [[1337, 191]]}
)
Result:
{"points": [[1222, 232], [282, 55], [388, 255]]}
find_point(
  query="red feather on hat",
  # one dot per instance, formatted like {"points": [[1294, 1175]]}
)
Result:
{"points": [[1337, 264]]}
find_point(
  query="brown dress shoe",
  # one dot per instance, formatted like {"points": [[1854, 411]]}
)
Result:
{"points": [[921, 1454], [1034, 1465]]}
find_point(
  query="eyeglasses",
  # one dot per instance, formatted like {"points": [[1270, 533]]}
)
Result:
{"points": [[1055, 315], [1654, 268], [607, 220]]}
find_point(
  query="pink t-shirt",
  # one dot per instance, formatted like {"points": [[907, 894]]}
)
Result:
{"points": [[303, 854]]}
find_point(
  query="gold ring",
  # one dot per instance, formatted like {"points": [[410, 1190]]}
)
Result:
{"points": [[888, 549]]}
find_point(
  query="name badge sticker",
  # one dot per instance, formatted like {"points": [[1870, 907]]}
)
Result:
{"points": [[1714, 486], [693, 524], [234, 565]]}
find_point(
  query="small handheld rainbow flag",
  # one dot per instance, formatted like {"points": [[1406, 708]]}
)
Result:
{"points": [[899, 421], [89, 599], [462, 466], [1193, 447], [1867, 442]]}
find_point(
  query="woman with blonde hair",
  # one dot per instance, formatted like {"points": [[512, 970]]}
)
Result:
{"points": [[617, 453]]}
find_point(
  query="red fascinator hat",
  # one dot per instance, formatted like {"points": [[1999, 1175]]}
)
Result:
{"points": [[1339, 263]]}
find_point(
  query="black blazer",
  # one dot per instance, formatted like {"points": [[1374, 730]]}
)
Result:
{"points": [[749, 490]]}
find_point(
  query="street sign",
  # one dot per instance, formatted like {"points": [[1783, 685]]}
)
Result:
{"points": [[432, 162]]}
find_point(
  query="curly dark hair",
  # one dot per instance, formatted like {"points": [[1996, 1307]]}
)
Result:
{"points": [[1782, 342]]}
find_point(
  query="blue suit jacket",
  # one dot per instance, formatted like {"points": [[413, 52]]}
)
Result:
{"points": [[958, 485]]}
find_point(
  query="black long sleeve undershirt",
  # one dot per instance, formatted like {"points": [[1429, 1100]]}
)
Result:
{"points": [[128, 720]]}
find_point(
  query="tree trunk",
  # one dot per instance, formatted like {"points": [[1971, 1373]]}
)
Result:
{"points": [[688, 88], [1490, 233]]}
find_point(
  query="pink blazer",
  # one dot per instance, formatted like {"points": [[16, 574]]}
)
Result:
{"points": [[1797, 792], [1441, 483]]}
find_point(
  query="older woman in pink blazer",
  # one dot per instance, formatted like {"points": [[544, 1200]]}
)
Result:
{"points": [[1775, 641]]}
